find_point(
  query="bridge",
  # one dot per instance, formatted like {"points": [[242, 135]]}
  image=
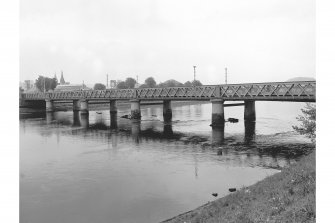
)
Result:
{"points": [[300, 91]]}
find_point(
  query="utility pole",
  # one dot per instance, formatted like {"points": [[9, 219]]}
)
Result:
{"points": [[44, 84], [226, 74], [107, 82], [194, 72]]}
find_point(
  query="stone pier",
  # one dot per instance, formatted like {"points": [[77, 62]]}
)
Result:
{"points": [[49, 105], [135, 109], [167, 111], [84, 106], [112, 107], [76, 105], [249, 111], [217, 112]]}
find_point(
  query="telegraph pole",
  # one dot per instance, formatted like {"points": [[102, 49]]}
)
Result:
{"points": [[226, 74], [194, 72], [107, 82]]}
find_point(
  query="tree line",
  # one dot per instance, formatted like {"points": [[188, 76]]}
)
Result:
{"points": [[149, 83], [45, 83]]}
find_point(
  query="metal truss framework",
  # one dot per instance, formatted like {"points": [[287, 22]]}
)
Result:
{"points": [[275, 91]]}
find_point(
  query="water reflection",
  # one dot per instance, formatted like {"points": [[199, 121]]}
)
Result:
{"points": [[76, 119], [249, 132], [100, 167], [84, 120], [50, 116], [113, 120], [218, 135], [167, 131], [135, 131]]}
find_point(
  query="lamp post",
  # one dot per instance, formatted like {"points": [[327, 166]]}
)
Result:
{"points": [[194, 72]]}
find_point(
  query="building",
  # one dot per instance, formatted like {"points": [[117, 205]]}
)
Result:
{"points": [[27, 84], [62, 80], [112, 84], [71, 87]]}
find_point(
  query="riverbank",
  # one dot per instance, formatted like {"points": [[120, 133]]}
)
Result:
{"points": [[288, 196]]}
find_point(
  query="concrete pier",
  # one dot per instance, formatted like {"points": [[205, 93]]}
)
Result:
{"points": [[112, 107], [167, 111], [49, 105], [113, 120], [135, 109], [76, 118], [84, 120], [76, 105], [84, 107], [249, 111], [217, 112]]}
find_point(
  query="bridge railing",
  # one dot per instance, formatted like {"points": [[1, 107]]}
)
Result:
{"points": [[305, 90]]}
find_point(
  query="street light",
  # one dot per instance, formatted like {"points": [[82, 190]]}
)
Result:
{"points": [[194, 71]]}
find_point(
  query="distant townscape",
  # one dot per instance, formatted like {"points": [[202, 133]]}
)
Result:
{"points": [[47, 84]]}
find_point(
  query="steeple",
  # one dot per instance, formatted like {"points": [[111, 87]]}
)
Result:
{"points": [[56, 77], [62, 81]]}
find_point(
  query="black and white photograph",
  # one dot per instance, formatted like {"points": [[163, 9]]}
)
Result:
{"points": [[145, 111]]}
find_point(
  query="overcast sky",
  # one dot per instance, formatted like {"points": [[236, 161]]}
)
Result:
{"points": [[258, 40]]}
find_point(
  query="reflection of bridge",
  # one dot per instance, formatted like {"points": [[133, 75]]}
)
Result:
{"points": [[302, 91], [249, 152]]}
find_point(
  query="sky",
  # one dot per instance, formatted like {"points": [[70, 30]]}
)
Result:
{"points": [[258, 41]]}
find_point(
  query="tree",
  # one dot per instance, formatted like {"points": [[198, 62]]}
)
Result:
{"points": [[150, 82], [188, 84], [196, 83], [121, 85], [130, 82], [45, 83], [99, 86], [172, 83], [143, 86], [308, 122]]}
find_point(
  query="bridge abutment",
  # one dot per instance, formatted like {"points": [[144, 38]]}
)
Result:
{"points": [[217, 112], [167, 110], [49, 105], [135, 109], [249, 111], [112, 107], [84, 106], [76, 105]]}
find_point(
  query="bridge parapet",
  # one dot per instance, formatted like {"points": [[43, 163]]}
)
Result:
{"points": [[274, 91]]}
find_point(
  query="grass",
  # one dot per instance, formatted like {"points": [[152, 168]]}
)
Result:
{"points": [[288, 196]]}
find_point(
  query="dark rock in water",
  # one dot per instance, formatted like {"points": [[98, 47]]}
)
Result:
{"points": [[125, 116], [233, 120], [219, 152], [232, 189], [215, 194]]}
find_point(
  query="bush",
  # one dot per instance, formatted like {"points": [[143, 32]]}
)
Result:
{"points": [[308, 122]]}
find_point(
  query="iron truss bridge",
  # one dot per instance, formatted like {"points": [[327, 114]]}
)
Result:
{"points": [[302, 91]]}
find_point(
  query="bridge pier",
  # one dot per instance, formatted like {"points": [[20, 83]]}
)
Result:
{"points": [[249, 111], [135, 109], [84, 106], [217, 112], [167, 111], [49, 105], [76, 105], [112, 107]]}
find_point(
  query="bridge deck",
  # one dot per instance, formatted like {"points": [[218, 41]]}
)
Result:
{"points": [[304, 91]]}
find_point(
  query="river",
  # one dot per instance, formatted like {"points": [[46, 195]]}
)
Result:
{"points": [[97, 168]]}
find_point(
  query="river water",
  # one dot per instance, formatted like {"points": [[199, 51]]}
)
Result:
{"points": [[98, 168]]}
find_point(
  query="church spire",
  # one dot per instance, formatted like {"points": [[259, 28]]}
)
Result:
{"points": [[62, 81]]}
